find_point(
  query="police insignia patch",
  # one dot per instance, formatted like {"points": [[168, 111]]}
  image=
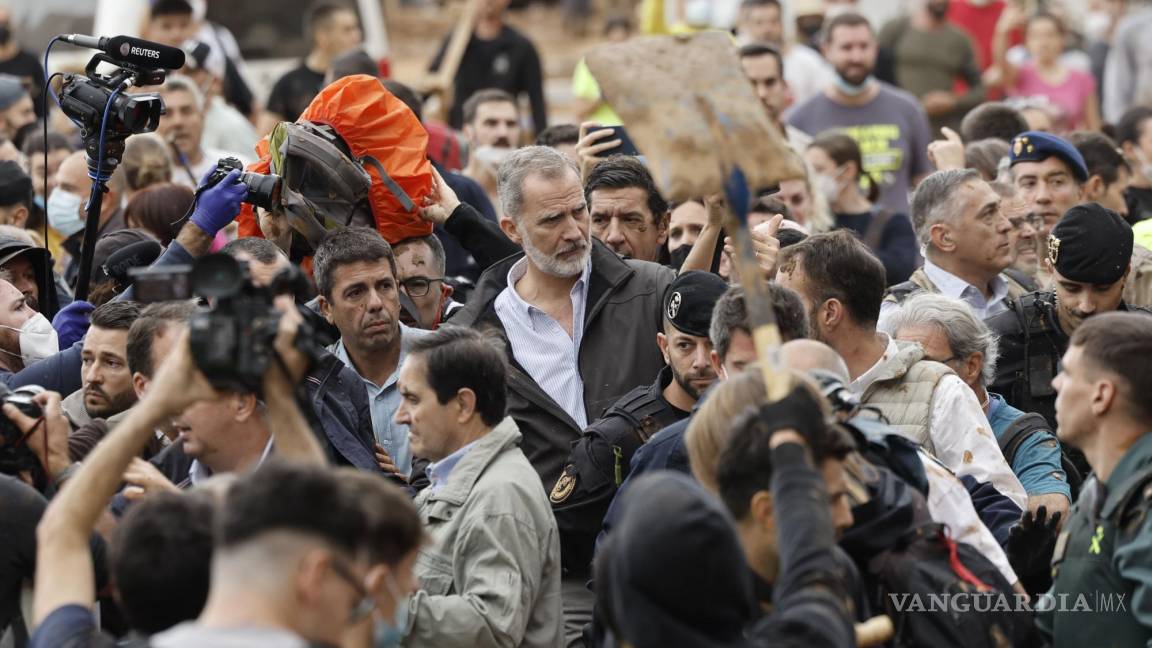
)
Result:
{"points": [[1053, 250], [563, 488], [673, 305]]}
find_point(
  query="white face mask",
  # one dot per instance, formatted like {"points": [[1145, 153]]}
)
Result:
{"points": [[64, 212], [38, 339], [493, 156], [829, 185], [698, 13]]}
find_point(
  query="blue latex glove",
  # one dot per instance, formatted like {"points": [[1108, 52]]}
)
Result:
{"points": [[217, 206], [71, 323]]}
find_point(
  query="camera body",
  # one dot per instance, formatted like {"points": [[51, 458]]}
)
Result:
{"points": [[15, 456], [263, 190], [232, 342]]}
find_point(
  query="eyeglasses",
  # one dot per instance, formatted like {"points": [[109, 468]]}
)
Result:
{"points": [[366, 604], [418, 286]]}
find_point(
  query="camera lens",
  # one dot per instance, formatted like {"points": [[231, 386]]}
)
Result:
{"points": [[263, 190], [217, 275]]}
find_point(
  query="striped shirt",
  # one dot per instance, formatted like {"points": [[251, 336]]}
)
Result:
{"points": [[541, 345]]}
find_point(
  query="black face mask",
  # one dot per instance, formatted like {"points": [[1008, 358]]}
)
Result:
{"points": [[5, 34], [810, 28], [677, 257]]}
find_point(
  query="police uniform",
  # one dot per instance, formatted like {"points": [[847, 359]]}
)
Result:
{"points": [[1101, 591], [1090, 244], [600, 460]]}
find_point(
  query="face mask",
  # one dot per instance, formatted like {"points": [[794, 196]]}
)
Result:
{"points": [[388, 634], [678, 256], [829, 186], [493, 156], [39, 200], [37, 339], [850, 89], [63, 211]]}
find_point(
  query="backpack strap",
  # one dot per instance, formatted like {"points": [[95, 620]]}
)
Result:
{"points": [[397, 190], [1018, 432]]}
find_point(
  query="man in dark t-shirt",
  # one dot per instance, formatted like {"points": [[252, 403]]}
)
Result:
{"points": [[497, 56], [20, 63], [333, 29]]}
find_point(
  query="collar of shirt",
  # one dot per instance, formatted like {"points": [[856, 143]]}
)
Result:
{"points": [[438, 472], [952, 286], [198, 472], [341, 353], [528, 311], [866, 379]]}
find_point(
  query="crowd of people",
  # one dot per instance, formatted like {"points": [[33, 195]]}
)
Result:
{"points": [[524, 405]]}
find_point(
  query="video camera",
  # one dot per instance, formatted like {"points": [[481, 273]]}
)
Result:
{"points": [[232, 342], [15, 455]]}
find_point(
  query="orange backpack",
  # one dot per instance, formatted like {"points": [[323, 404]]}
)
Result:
{"points": [[358, 156]]}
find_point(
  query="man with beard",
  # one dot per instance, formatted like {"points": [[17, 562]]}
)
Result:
{"points": [[841, 284], [599, 462], [492, 126], [1089, 251], [355, 272], [107, 388], [889, 124], [182, 126], [928, 55], [578, 318]]}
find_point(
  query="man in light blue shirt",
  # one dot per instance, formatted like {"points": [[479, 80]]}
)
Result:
{"points": [[355, 271], [964, 233]]}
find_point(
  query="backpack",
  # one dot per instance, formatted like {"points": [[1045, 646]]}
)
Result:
{"points": [[447, 146], [917, 580], [356, 156], [1018, 432]]}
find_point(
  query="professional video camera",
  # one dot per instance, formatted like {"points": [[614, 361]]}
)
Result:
{"points": [[263, 190], [15, 455], [106, 116], [232, 343]]}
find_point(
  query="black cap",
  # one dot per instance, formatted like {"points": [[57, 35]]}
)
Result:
{"points": [[1091, 244], [1037, 146], [15, 185], [688, 302]]}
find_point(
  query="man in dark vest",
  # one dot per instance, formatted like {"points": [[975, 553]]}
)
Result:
{"points": [[1101, 557], [1089, 252]]}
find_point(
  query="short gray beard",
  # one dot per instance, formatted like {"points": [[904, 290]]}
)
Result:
{"points": [[553, 266]]}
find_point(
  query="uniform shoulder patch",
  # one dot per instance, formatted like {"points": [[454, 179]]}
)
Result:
{"points": [[564, 487]]}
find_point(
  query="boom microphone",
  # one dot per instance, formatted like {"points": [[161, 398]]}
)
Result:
{"points": [[135, 51]]}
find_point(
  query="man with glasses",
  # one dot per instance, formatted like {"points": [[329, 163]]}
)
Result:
{"points": [[490, 573], [967, 245], [420, 266]]}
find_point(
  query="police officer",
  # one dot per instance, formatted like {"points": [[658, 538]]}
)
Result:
{"points": [[600, 460], [1101, 558], [1089, 251]]}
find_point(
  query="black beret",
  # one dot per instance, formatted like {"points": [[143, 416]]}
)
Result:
{"points": [[1037, 146], [15, 185], [689, 300], [1091, 244]]}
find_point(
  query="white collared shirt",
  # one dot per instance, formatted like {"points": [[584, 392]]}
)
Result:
{"points": [[541, 345], [960, 431], [198, 472], [952, 286]]}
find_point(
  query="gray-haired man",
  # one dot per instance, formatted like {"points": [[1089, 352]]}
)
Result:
{"points": [[951, 334], [965, 238], [579, 319]]}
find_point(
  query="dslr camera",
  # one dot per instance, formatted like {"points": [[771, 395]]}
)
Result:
{"points": [[263, 190], [232, 341], [15, 455]]}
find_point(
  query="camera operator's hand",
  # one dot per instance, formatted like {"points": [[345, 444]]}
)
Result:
{"points": [[47, 436], [144, 479], [295, 362], [218, 205], [591, 144], [178, 383], [440, 204]]}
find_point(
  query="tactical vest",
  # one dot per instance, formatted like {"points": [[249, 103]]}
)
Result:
{"points": [[1031, 345], [1019, 284], [1138, 287], [904, 391], [1083, 568]]}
